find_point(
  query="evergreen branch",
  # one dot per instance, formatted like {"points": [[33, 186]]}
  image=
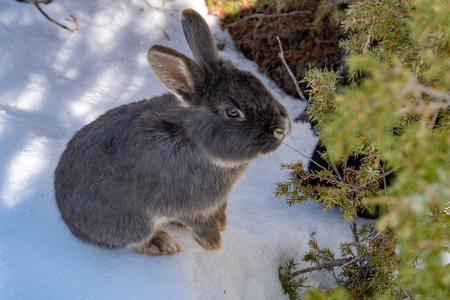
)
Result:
{"points": [[281, 55], [356, 260], [335, 263], [263, 16], [372, 240], [333, 178]]}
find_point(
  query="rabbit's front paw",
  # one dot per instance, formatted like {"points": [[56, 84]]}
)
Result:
{"points": [[160, 244], [210, 240]]}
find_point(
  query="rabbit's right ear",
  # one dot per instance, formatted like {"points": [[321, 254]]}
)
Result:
{"points": [[199, 37], [177, 72]]}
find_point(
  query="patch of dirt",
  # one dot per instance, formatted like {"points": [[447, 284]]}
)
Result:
{"points": [[304, 45]]}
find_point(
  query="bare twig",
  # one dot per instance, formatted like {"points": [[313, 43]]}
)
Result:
{"points": [[434, 117], [333, 178], [72, 20], [424, 108], [334, 168], [354, 227], [37, 2], [310, 159], [384, 179], [445, 97], [388, 172], [281, 55], [254, 34], [261, 16], [441, 100]]}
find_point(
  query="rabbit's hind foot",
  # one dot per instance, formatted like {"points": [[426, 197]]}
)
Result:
{"points": [[209, 240], [160, 244], [221, 221]]}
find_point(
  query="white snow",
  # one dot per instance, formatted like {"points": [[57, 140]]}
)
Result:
{"points": [[53, 82]]}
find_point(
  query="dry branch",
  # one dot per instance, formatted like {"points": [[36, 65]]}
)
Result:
{"points": [[281, 55], [37, 2], [263, 16], [307, 157]]}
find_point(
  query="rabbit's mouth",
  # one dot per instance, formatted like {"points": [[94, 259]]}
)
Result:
{"points": [[230, 157], [271, 140], [272, 145]]}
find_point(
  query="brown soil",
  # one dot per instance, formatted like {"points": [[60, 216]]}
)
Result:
{"points": [[304, 47]]}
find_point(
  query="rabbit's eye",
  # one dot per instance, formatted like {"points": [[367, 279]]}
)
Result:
{"points": [[232, 113]]}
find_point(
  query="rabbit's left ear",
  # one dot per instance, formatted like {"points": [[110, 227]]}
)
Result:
{"points": [[199, 37], [174, 70]]}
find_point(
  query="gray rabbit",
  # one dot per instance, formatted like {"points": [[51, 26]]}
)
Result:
{"points": [[173, 158]]}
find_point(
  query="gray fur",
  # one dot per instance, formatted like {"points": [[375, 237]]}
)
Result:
{"points": [[175, 157]]}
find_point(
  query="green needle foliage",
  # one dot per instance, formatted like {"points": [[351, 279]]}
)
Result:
{"points": [[394, 115], [291, 286]]}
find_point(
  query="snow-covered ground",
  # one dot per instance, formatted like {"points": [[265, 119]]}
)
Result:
{"points": [[53, 82]]}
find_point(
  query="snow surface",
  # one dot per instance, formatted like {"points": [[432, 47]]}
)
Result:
{"points": [[53, 82]]}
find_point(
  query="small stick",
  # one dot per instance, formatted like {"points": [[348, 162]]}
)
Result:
{"points": [[310, 159], [37, 2], [263, 16], [445, 97], [332, 179], [354, 227], [72, 20], [334, 168], [281, 55]]}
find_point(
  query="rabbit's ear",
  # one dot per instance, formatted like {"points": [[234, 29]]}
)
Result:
{"points": [[199, 37], [174, 70]]}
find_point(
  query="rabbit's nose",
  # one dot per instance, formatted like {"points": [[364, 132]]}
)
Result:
{"points": [[283, 131], [279, 133]]}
